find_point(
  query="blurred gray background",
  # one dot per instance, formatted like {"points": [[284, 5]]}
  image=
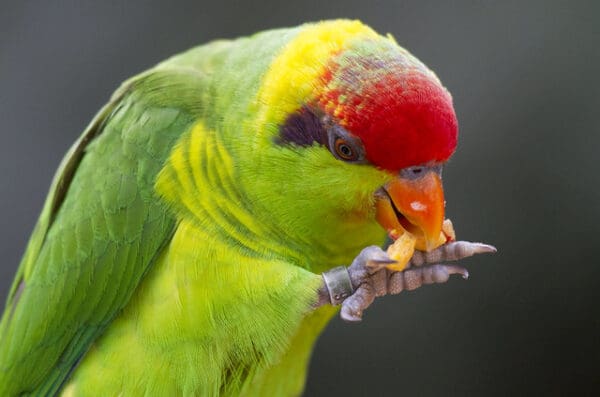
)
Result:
{"points": [[526, 86]]}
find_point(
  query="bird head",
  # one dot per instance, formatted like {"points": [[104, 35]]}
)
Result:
{"points": [[357, 131]]}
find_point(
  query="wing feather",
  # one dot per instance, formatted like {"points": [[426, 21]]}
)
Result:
{"points": [[100, 230]]}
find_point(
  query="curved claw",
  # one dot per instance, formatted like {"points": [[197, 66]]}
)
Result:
{"points": [[370, 277], [377, 264], [450, 252]]}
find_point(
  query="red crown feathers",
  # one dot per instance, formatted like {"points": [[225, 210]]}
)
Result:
{"points": [[397, 107]]}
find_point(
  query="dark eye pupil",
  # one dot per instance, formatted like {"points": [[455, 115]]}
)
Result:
{"points": [[345, 148]]}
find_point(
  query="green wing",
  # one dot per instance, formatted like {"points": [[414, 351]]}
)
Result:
{"points": [[100, 230]]}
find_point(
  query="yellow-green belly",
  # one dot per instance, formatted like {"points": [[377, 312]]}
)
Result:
{"points": [[208, 321]]}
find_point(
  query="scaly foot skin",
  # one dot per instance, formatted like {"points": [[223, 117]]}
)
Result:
{"points": [[357, 286]]}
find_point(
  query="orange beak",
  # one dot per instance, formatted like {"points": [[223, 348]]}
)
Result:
{"points": [[415, 205]]}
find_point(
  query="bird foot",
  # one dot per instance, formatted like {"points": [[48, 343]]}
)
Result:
{"points": [[368, 277]]}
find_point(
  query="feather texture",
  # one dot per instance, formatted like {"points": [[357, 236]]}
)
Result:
{"points": [[180, 248]]}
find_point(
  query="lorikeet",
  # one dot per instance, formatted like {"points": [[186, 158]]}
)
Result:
{"points": [[181, 248]]}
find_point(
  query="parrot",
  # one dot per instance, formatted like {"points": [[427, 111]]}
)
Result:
{"points": [[222, 207]]}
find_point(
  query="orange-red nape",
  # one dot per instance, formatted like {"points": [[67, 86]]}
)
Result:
{"points": [[393, 103]]}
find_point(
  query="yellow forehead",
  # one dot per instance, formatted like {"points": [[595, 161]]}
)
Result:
{"points": [[295, 72]]}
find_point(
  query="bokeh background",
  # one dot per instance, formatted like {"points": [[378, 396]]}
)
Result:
{"points": [[525, 81]]}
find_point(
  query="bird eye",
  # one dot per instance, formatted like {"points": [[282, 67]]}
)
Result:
{"points": [[345, 146], [344, 150]]}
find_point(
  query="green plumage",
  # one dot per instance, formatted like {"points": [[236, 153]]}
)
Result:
{"points": [[233, 236], [92, 247]]}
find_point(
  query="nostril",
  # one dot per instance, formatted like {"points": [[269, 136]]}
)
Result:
{"points": [[413, 172]]}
